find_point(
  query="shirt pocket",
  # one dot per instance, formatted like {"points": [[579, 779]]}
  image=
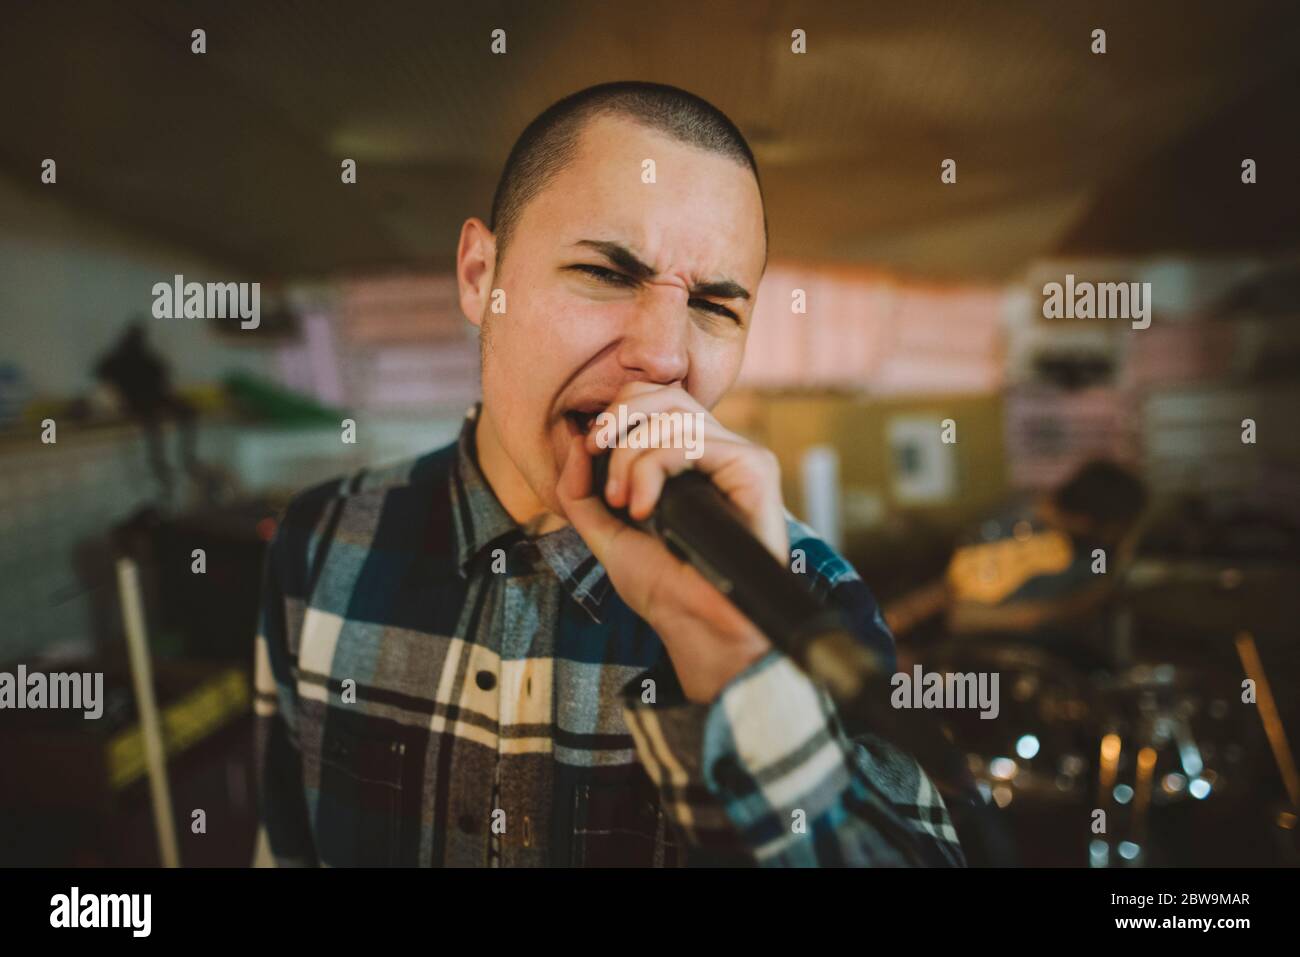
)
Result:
{"points": [[622, 824], [359, 821]]}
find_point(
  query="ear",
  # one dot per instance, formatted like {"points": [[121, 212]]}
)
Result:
{"points": [[475, 265]]}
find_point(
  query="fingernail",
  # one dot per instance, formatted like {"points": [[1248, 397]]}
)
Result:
{"points": [[611, 487]]}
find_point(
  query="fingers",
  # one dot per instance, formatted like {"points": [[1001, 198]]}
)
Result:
{"points": [[575, 478], [583, 507], [640, 402], [637, 475], [580, 502], [668, 432], [675, 442], [645, 421], [646, 477], [637, 563]]}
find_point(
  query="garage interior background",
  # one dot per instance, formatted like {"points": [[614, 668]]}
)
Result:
{"points": [[924, 298]]}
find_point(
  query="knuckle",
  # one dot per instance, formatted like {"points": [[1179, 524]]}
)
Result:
{"points": [[766, 461]]}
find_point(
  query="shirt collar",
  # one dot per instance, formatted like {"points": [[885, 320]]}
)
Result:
{"points": [[482, 522]]}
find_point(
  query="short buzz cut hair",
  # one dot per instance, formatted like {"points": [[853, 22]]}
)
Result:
{"points": [[550, 141]]}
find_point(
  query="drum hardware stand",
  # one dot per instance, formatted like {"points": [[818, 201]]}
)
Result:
{"points": [[137, 644], [1273, 729]]}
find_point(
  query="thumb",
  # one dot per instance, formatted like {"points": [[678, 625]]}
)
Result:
{"points": [[585, 509]]}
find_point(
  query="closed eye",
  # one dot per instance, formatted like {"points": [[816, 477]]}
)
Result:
{"points": [[714, 308], [614, 278], [605, 275]]}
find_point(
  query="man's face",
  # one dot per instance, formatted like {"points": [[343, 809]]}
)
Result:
{"points": [[583, 318]]}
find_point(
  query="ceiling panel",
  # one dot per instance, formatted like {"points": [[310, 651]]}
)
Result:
{"points": [[236, 153]]}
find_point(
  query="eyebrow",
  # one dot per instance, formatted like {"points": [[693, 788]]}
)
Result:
{"points": [[625, 259]]}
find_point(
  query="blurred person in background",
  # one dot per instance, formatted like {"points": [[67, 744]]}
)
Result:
{"points": [[1043, 572]]}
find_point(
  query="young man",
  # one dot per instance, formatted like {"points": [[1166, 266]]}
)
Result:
{"points": [[467, 660]]}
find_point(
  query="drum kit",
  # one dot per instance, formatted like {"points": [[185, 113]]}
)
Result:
{"points": [[1190, 721]]}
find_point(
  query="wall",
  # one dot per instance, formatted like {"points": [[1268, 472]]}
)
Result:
{"points": [[857, 427], [69, 281]]}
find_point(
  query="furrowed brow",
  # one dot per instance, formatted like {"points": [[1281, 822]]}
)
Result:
{"points": [[620, 256], [721, 289], [625, 259]]}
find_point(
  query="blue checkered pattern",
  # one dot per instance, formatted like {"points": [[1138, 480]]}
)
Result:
{"points": [[435, 687]]}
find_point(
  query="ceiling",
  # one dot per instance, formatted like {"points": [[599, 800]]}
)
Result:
{"points": [[236, 153]]}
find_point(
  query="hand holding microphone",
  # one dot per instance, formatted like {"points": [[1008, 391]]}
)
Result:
{"points": [[674, 537], [702, 528], [669, 526], [709, 641]]}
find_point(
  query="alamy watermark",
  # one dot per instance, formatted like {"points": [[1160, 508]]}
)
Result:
{"points": [[75, 909], [78, 691], [946, 690], [214, 300], [651, 430], [1101, 300]]}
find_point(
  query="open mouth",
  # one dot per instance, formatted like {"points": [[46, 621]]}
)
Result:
{"points": [[580, 422]]}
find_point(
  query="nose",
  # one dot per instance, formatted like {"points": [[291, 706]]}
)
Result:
{"points": [[656, 338]]}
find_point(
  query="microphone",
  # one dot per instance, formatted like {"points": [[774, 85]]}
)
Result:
{"points": [[700, 525]]}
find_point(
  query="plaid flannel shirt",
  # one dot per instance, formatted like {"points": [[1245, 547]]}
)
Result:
{"points": [[435, 687]]}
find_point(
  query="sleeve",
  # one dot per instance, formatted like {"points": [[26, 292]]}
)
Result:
{"points": [[767, 771], [282, 805]]}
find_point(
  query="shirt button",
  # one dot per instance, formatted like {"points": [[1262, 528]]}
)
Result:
{"points": [[467, 823], [486, 680]]}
